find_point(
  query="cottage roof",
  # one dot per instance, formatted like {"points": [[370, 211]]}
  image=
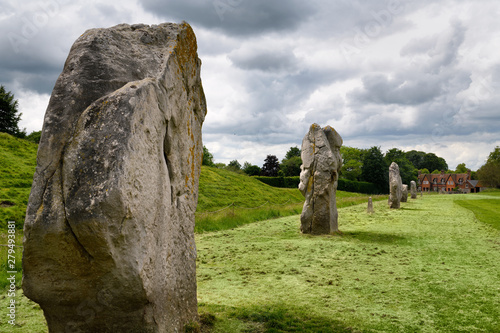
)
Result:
{"points": [[473, 182]]}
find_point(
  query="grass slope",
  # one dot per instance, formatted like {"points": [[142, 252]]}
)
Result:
{"points": [[220, 188], [485, 207], [17, 166], [241, 200]]}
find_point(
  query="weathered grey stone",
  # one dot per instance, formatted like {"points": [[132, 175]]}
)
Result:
{"points": [[395, 186], [413, 189], [109, 232], [369, 209], [404, 193], [321, 163]]}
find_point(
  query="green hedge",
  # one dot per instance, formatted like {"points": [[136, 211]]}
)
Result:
{"points": [[358, 187], [287, 182], [343, 184]]}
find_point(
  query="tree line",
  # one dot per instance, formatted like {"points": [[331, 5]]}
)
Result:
{"points": [[365, 165]]}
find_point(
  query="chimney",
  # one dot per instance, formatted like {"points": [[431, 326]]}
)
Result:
{"points": [[442, 172], [468, 174]]}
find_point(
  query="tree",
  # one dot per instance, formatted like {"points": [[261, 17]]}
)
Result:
{"points": [[34, 136], [424, 171], [208, 159], [234, 166], [461, 168], [293, 151], [291, 166], [352, 162], [251, 170], [494, 156], [429, 161], [375, 169], [9, 117], [416, 158], [406, 169], [489, 173], [271, 166], [433, 162]]}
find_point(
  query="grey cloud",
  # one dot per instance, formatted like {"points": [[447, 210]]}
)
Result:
{"points": [[266, 61], [235, 17], [380, 89]]}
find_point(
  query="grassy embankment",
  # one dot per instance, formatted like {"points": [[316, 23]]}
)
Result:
{"points": [[239, 199]]}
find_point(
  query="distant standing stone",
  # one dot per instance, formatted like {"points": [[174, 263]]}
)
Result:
{"points": [[404, 193], [395, 186], [413, 189], [370, 210], [321, 163]]}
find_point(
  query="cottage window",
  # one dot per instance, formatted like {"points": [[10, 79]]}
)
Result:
{"points": [[460, 181], [435, 181], [426, 182], [442, 180]]}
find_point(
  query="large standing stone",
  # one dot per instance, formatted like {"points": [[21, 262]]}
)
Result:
{"points": [[321, 163], [109, 232], [404, 193], [413, 189], [395, 186]]}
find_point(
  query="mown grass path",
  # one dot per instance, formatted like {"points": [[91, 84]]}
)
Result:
{"points": [[428, 267]]}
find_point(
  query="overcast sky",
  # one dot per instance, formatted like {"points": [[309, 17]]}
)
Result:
{"points": [[404, 74]]}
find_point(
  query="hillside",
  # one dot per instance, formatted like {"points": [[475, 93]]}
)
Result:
{"points": [[17, 166], [218, 188]]}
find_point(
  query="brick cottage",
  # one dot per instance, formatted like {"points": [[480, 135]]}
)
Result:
{"points": [[447, 182]]}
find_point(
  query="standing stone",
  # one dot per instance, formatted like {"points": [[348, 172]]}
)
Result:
{"points": [[404, 193], [413, 189], [109, 232], [321, 163], [395, 186], [370, 210]]}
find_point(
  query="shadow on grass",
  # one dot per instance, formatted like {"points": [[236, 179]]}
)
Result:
{"points": [[374, 237], [279, 318], [407, 208]]}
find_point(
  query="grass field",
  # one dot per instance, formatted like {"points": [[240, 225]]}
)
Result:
{"points": [[431, 266], [428, 267]]}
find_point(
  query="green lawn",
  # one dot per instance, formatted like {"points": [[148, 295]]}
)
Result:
{"points": [[428, 267]]}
